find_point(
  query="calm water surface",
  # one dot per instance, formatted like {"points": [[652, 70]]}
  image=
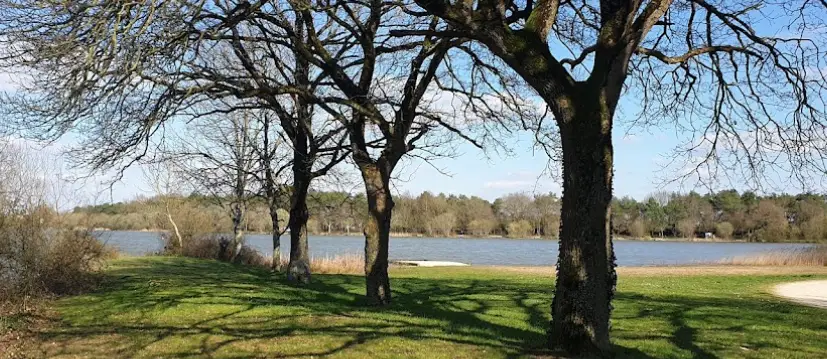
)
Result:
{"points": [[494, 251]]}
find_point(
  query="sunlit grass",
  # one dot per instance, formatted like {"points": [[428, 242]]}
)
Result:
{"points": [[179, 307]]}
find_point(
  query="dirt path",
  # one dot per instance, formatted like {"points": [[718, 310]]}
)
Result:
{"points": [[811, 292]]}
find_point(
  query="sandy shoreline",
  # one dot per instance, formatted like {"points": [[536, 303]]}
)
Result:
{"points": [[811, 292]]}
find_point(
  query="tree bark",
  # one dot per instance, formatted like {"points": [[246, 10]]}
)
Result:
{"points": [[274, 218], [298, 270], [238, 231], [178, 238], [377, 233], [586, 275]]}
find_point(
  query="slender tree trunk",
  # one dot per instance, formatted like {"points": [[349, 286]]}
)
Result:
{"points": [[238, 231], [377, 233], [178, 238], [586, 275], [298, 270], [274, 218]]}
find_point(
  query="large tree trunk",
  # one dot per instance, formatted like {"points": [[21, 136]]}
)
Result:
{"points": [[377, 234], [586, 275], [298, 270]]}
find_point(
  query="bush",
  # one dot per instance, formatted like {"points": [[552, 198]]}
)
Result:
{"points": [[36, 261], [72, 259], [519, 229], [444, 224], [686, 228], [552, 228], [814, 229], [724, 230], [481, 227], [218, 247], [637, 229]]}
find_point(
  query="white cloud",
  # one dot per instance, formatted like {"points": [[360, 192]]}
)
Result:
{"points": [[508, 184], [630, 138], [523, 181]]}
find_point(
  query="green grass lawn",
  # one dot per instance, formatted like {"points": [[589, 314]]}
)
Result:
{"points": [[176, 307]]}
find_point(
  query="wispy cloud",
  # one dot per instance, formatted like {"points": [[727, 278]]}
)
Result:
{"points": [[631, 138], [508, 184], [523, 181]]}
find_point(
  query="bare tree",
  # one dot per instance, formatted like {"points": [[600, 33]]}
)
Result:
{"points": [[274, 163], [389, 115], [24, 184], [168, 188], [331, 74], [745, 78], [123, 71], [218, 157]]}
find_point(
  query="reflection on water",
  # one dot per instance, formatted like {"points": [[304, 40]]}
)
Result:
{"points": [[493, 251]]}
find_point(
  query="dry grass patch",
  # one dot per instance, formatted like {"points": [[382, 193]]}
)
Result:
{"points": [[704, 270], [812, 256], [342, 264], [217, 247]]}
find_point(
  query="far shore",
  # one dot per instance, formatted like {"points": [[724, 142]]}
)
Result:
{"points": [[463, 236]]}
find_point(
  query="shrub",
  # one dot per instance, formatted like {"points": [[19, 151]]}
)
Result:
{"points": [[724, 230], [444, 224], [637, 229], [481, 227], [313, 226], [552, 228], [71, 261], [519, 229], [37, 261], [814, 229], [216, 246], [686, 227]]}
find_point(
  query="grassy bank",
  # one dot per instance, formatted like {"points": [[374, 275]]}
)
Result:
{"points": [[179, 307]]}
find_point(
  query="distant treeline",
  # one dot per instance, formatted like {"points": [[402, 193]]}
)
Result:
{"points": [[726, 214]]}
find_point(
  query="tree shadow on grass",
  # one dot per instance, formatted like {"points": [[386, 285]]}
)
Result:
{"points": [[715, 327], [171, 307]]}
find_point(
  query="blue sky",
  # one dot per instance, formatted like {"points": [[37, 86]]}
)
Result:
{"points": [[639, 155], [637, 158]]}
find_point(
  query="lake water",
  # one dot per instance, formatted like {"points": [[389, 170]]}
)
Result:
{"points": [[490, 251]]}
